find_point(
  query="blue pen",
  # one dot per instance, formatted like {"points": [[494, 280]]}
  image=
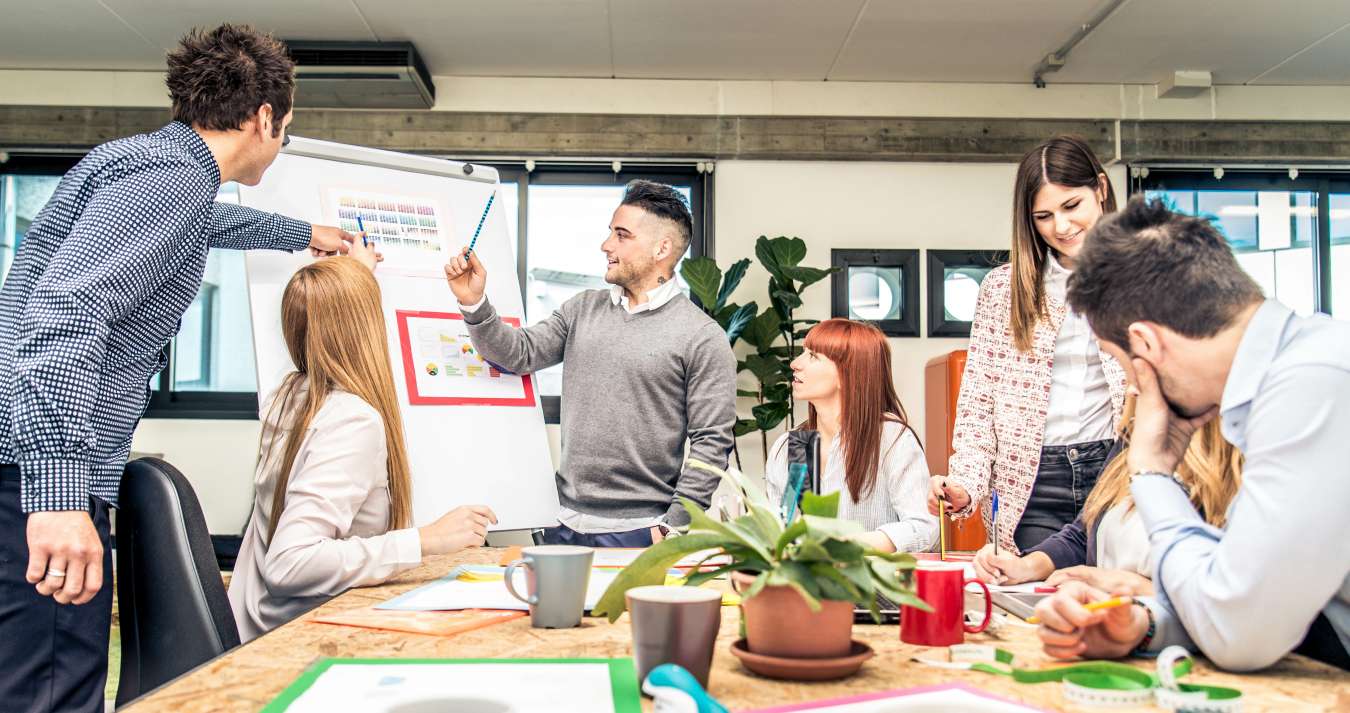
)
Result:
{"points": [[361, 225], [995, 519], [479, 229]]}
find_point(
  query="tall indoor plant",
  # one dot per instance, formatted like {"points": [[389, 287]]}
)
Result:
{"points": [[797, 578], [773, 334]]}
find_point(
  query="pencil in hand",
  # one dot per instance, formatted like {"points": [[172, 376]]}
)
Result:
{"points": [[1111, 603]]}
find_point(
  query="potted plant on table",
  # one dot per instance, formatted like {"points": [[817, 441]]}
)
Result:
{"points": [[799, 582]]}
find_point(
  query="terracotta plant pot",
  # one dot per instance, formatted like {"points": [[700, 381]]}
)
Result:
{"points": [[778, 622]]}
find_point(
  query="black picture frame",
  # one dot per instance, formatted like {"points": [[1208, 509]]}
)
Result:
{"points": [[939, 261], [905, 261]]}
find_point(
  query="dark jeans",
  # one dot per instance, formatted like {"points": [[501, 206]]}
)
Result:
{"points": [[1063, 481], [564, 535], [53, 657]]}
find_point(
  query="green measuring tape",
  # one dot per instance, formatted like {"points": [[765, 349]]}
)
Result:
{"points": [[1107, 683]]}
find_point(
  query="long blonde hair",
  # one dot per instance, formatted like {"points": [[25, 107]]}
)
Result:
{"points": [[335, 332], [1211, 469], [1063, 161]]}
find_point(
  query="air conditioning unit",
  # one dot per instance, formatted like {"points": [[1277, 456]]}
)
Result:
{"points": [[360, 75]]}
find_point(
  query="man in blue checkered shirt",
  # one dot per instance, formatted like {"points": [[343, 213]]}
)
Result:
{"points": [[96, 291]]}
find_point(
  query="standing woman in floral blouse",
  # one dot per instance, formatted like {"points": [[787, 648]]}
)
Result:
{"points": [[1039, 401]]}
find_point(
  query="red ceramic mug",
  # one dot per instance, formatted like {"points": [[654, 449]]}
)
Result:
{"points": [[942, 586]]}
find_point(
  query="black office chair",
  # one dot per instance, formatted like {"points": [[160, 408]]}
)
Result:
{"points": [[172, 607]]}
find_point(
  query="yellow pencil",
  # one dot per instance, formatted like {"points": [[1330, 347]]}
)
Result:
{"points": [[942, 527], [1094, 606]]}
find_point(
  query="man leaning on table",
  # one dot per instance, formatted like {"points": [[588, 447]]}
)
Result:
{"points": [[1163, 290], [97, 289]]}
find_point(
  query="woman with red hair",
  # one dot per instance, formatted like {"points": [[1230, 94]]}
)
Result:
{"points": [[868, 452]]}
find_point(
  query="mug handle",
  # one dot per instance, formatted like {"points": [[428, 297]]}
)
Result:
{"points": [[988, 607], [533, 599]]}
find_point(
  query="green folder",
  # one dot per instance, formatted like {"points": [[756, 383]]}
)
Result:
{"points": [[622, 676]]}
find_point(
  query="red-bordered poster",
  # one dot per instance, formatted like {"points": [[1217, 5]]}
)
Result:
{"points": [[442, 367]]}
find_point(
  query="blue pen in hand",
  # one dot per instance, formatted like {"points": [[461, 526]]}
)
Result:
{"points": [[361, 226], [994, 517], [481, 220]]}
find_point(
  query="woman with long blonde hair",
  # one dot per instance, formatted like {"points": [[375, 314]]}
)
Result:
{"points": [[1040, 402], [1107, 546], [333, 496]]}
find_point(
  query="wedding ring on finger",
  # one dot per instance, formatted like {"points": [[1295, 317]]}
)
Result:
{"points": [[54, 573]]}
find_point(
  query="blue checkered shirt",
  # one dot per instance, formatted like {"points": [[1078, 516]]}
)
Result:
{"points": [[96, 291]]}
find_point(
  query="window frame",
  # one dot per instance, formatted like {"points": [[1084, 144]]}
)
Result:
{"points": [[906, 261], [938, 262], [1322, 182]]}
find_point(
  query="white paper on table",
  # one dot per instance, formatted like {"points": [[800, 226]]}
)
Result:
{"points": [[385, 688], [451, 593], [936, 699], [1023, 588]]}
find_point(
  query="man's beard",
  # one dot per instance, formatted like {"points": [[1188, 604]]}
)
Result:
{"points": [[627, 275]]}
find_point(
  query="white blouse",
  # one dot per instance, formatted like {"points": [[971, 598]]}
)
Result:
{"points": [[333, 533], [897, 505], [1122, 541], [1080, 397]]}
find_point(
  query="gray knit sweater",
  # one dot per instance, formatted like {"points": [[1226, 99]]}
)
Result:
{"points": [[635, 387]]}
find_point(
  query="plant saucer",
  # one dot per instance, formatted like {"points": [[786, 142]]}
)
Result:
{"points": [[803, 669]]}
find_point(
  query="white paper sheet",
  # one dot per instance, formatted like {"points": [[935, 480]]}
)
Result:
{"points": [[944, 699], [422, 688]]}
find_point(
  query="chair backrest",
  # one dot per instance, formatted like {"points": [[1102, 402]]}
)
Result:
{"points": [[172, 608]]}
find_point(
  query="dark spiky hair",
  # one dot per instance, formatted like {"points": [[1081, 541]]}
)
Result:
{"points": [[219, 78], [1148, 263]]}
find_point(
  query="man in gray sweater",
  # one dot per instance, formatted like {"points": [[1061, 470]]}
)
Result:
{"points": [[646, 371]]}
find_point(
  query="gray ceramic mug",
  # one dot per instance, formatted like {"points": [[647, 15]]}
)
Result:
{"points": [[556, 577], [674, 625]]}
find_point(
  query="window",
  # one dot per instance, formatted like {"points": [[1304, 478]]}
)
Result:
{"points": [[1283, 231], [211, 367], [954, 279], [211, 373], [1340, 253], [877, 286]]}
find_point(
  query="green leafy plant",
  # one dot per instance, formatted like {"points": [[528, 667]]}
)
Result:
{"points": [[815, 555], [773, 333]]}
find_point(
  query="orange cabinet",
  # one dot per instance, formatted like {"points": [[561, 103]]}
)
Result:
{"points": [[942, 385]]}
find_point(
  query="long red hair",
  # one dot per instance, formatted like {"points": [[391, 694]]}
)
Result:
{"points": [[866, 395]]}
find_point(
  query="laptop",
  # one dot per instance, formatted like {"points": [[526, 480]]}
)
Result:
{"points": [[890, 612]]}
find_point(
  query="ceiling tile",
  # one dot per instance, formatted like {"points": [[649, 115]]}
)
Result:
{"points": [[70, 34], [716, 39], [1236, 40], [1326, 63], [957, 40], [164, 23], [538, 38]]}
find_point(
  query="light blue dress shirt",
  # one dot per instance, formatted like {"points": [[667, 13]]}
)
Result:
{"points": [[1246, 595]]}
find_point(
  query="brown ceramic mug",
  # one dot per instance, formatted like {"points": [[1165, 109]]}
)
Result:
{"points": [[674, 625]]}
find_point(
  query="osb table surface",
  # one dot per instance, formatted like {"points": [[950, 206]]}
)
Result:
{"points": [[250, 676]]}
